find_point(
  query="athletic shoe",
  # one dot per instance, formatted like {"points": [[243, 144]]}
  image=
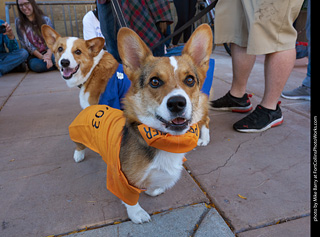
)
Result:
{"points": [[260, 120], [231, 103], [300, 93]]}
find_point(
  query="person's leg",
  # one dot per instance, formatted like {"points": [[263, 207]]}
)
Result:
{"points": [[242, 64], [109, 28], [9, 61], [182, 12], [37, 65], [191, 12], [278, 67]]}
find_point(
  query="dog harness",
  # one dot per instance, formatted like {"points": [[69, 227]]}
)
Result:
{"points": [[99, 127], [117, 87]]}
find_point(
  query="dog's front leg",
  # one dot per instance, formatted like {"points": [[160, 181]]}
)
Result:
{"points": [[137, 214], [204, 138], [79, 153]]}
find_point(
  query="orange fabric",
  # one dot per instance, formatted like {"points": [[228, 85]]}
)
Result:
{"points": [[171, 143], [99, 127]]}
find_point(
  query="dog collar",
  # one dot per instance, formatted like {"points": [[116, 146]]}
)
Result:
{"points": [[170, 143], [80, 85]]}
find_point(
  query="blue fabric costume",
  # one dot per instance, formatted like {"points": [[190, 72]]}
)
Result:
{"points": [[116, 89]]}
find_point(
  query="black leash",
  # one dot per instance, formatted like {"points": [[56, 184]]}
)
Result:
{"points": [[186, 25]]}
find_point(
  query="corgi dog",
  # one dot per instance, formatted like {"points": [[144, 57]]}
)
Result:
{"points": [[164, 113], [85, 64]]}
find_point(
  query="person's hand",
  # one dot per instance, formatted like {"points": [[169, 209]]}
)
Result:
{"points": [[47, 58], [47, 55], [49, 62], [9, 31]]}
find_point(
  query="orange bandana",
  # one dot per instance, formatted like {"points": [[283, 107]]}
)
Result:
{"points": [[171, 143], [99, 127]]}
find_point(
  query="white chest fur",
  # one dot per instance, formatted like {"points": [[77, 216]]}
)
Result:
{"points": [[84, 98], [163, 172]]}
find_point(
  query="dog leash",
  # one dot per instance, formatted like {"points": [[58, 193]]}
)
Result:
{"points": [[117, 12], [186, 25]]}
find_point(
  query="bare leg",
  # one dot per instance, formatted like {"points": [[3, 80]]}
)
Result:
{"points": [[242, 64], [277, 69]]}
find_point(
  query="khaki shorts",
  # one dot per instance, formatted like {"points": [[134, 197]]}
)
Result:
{"points": [[263, 26]]}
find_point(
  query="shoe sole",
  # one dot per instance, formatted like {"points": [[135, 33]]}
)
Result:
{"points": [[234, 109], [275, 123], [296, 97]]}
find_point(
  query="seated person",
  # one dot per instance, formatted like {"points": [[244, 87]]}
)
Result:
{"points": [[14, 60], [91, 25], [28, 26]]}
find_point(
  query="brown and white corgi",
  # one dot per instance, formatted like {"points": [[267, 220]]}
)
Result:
{"points": [[163, 102], [85, 64]]}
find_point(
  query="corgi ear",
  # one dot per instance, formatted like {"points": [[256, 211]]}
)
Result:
{"points": [[199, 46], [95, 45], [49, 35], [132, 50]]}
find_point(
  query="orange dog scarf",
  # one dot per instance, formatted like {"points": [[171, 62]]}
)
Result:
{"points": [[99, 127], [171, 143]]}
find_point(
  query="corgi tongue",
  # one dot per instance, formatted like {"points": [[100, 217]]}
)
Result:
{"points": [[178, 121], [67, 72]]}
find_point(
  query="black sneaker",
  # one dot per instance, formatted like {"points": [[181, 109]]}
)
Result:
{"points": [[260, 120], [231, 103]]}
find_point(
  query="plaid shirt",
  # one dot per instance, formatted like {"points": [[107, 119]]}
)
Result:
{"points": [[142, 16]]}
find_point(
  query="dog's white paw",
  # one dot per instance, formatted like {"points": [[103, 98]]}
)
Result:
{"points": [[155, 192], [137, 214], [78, 156], [204, 138]]}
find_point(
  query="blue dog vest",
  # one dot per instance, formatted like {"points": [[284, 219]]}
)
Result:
{"points": [[116, 89]]}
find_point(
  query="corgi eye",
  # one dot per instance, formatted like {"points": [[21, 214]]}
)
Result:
{"points": [[60, 49], [189, 81], [155, 82], [78, 52]]}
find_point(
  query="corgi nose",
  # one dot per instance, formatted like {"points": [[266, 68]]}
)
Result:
{"points": [[176, 104], [65, 62]]}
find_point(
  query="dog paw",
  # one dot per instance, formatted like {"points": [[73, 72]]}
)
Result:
{"points": [[204, 138], [155, 192], [78, 156], [203, 142], [137, 214]]}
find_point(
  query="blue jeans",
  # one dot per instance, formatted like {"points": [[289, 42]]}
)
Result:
{"points": [[307, 81], [109, 28], [38, 65], [9, 61]]}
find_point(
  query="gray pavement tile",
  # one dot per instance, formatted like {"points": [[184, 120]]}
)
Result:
{"points": [[177, 222], [44, 192], [294, 228], [8, 83], [214, 226], [38, 115], [49, 82], [270, 169]]}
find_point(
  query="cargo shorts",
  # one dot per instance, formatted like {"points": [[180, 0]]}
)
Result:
{"points": [[262, 26]]}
